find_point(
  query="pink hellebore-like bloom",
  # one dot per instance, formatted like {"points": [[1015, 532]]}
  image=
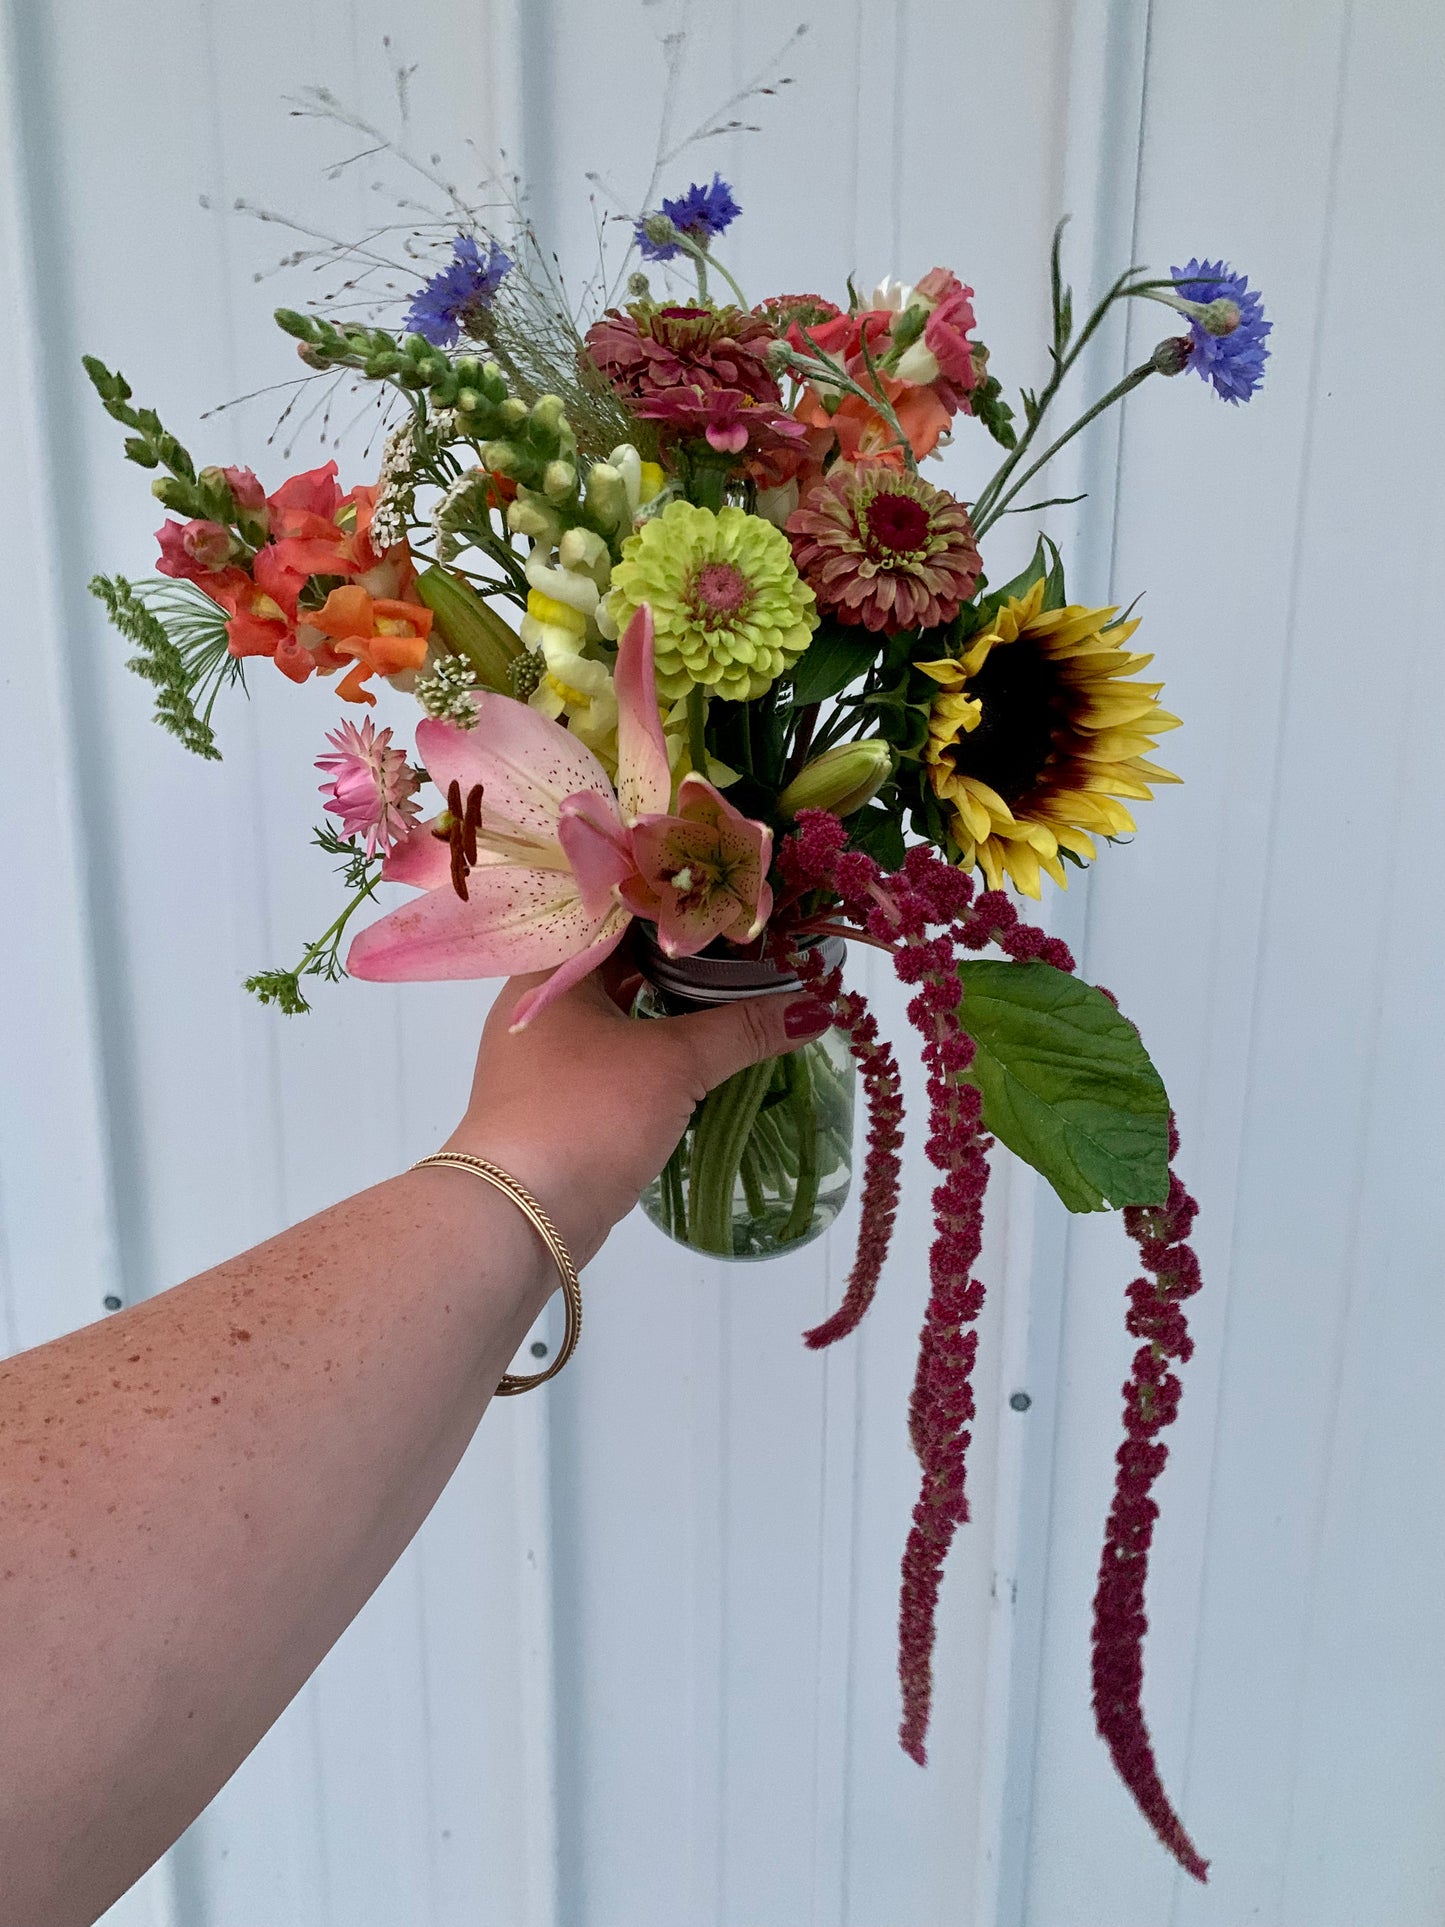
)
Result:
{"points": [[554, 863], [943, 357]]}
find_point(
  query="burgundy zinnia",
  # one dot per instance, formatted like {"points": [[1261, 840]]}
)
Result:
{"points": [[649, 350], [884, 549]]}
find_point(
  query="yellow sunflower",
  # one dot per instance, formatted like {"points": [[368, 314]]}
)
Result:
{"points": [[1037, 733]]}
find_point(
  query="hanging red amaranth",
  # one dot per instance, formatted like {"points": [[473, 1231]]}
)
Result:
{"points": [[1151, 1401], [896, 913]]}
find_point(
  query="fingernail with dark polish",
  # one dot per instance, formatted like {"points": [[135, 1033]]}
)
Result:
{"points": [[808, 1017]]}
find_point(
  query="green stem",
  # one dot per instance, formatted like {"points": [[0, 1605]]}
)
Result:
{"points": [[802, 1113], [999, 505], [697, 727], [724, 1123], [1063, 362], [330, 936], [674, 1194]]}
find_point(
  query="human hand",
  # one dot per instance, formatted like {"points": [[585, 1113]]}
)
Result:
{"points": [[585, 1105]]}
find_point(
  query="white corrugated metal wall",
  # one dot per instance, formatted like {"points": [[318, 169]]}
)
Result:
{"points": [[638, 1668]]}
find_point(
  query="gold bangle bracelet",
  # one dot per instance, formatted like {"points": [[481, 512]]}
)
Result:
{"points": [[503, 1181]]}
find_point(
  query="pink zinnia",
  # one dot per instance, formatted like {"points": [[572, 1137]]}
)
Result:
{"points": [[372, 787], [884, 549]]}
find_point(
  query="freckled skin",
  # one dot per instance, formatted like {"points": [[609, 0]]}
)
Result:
{"points": [[230, 1468]]}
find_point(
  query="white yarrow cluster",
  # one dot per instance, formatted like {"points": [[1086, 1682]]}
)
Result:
{"points": [[462, 503], [447, 692], [395, 487]]}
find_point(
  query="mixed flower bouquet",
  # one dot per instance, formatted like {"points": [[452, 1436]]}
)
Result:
{"points": [[705, 665]]}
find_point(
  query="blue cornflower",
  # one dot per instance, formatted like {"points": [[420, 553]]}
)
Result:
{"points": [[1233, 363], [701, 214], [452, 301]]}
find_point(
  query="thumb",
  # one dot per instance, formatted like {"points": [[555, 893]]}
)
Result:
{"points": [[727, 1039]]}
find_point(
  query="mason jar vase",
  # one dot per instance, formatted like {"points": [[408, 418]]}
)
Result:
{"points": [[765, 1163]]}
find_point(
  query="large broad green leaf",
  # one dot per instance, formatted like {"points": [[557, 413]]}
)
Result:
{"points": [[1066, 1084], [834, 658]]}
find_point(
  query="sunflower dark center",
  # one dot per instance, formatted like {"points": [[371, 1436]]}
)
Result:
{"points": [[896, 522], [1025, 705]]}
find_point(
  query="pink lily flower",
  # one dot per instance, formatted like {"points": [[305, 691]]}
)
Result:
{"points": [[540, 864]]}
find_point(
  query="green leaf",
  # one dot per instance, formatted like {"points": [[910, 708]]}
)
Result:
{"points": [[1020, 585], [1054, 596], [832, 660], [1066, 1084], [879, 832]]}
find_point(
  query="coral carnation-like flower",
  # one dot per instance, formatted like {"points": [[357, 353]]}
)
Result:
{"points": [[882, 548], [453, 301], [729, 608], [371, 786], [649, 350], [1232, 363], [1035, 735]]}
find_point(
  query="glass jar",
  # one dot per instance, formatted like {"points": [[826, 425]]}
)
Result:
{"points": [[765, 1163]]}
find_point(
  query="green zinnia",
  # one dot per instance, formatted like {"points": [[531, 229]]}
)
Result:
{"points": [[729, 609]]}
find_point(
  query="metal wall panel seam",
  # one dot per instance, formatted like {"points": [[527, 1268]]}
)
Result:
{"points": [[1271, 822], [522, 83], [1107, 88], [97, 1152], [87, 1150]]}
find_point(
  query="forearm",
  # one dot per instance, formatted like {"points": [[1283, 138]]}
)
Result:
{"points": [[228, 1471]]}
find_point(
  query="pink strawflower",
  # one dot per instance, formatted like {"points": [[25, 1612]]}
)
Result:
{"points": [[372, 787]]}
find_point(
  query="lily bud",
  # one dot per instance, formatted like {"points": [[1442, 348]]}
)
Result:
{"points": [[842, 779]]}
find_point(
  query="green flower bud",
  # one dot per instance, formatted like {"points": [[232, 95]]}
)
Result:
{"points": [[586, 554], [505, 458], [607, 499], [661, 230], [292, 323], [1171, 357], [1219, 317], [550, 414], [559, 481], [468, 369], [530, 515], [512, 412], [417, 348], [842, 779], [172, 493]]}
